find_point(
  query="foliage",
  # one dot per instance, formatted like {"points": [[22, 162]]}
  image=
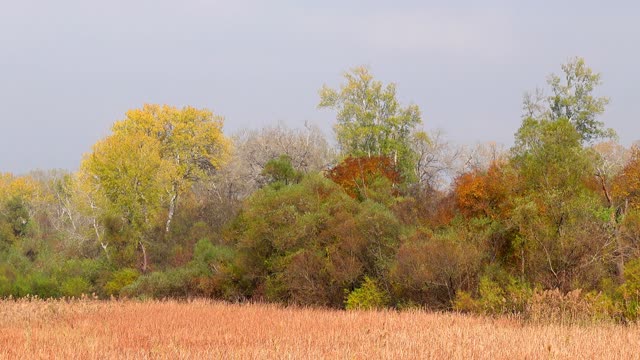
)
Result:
{"points": [[429, 270], [480, 194], [153, 155], [279, 171], [308, 242], [572, 99], [165, 207], [119, 280], [498, 293], [626, 186], [356, 175], [630, 290], [370, 120], [366, 297]]}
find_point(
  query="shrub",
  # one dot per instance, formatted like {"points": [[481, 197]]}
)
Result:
{"points": [[629, 291], [574, 307], [162, 284], [75, 287], [5, 286], [498, 293], [207, 254], [119, 280], [43, 286], [367, 296]]}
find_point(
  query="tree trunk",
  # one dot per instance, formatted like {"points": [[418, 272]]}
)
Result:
{"points": [[172, 209], [145, 262]]}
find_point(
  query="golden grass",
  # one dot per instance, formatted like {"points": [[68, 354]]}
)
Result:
{"points": [[91, 329]]}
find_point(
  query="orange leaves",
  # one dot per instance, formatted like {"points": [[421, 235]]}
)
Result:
{"points": [[357, 174], [626, 186], [483, 194], [471, 193]]}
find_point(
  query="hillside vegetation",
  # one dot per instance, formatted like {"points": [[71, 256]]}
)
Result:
{"points": [[168, 206]]}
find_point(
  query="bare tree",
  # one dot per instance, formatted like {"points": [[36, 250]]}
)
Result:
{"points": [[481, 156], [436, 159], [307, 148]]}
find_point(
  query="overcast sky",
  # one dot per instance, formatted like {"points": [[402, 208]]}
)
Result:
{"points": [[70, 68]]}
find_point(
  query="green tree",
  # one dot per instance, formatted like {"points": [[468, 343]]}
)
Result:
{"points": [[279, 171], [572, 99], [371, 121], [560, 235], [549, 155], [310, 242]]}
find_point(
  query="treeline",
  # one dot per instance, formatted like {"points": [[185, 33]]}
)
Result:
{"points": [[168, 206]]}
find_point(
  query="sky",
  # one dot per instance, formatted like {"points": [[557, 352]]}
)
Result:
{"points": [[70, 68]]}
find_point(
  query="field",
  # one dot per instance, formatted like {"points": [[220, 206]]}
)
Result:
{"points": [[91, 329]]}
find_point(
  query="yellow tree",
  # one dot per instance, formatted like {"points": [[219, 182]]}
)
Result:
{"points": [[153, 155], [189, 138], [16, 211], [129, 178]]}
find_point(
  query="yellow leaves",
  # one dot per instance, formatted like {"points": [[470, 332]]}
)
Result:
{"points": [[22, 186], [155, 153], [191, 138], [129, 172]]}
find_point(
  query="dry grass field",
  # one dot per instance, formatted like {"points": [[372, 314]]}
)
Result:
{"points": [[91, 329]]}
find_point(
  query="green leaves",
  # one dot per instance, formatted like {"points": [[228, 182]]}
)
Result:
{"points": [[279, 171], [370, 120], [308, 242], [549, 154], [572, 99]]}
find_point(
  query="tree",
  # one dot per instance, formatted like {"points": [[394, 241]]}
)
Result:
{"points": [[17, 195], [371, 121], [626, 187], [279, 171], [307, 150], [153, 155], [429, 270], [130, 180], [190, 138], [309, 242], [357, 174], [610, 158], [561, 238], [435, 160], [484, 194], [572, 99], [550, 156], [220, 197]]}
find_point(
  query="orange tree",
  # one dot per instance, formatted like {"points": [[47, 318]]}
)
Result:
{"points": [[357, 174]]}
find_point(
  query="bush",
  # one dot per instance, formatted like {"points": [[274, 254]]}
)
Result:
{"points": [[574, 307], [75, 287], [367, 296], [161, 284], [119, 280], [5, 286], [43, 286], [207, 254], [629, 291], [498, 293]]}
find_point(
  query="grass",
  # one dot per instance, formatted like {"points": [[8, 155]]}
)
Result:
{"points": [[92, 329]]}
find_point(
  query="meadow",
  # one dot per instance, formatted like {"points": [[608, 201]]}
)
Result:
{"points": [[202, 329]]}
